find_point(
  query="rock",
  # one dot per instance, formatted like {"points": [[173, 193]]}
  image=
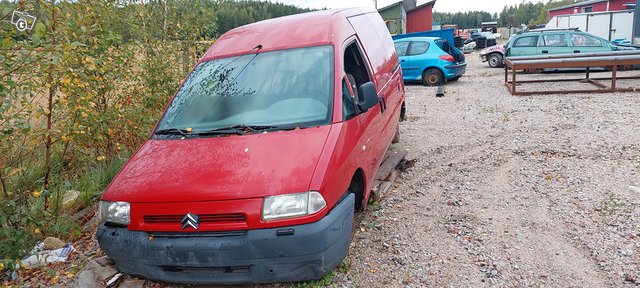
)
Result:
{"points": [[69, 198], [132, 283], [630, 278], [634, 189], [104, 261], [53, 243], [96, 273], [91, 225]]}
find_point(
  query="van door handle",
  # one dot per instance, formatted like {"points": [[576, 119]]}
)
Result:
{"points": [[576, 51], [545, 51], [383, 103]]}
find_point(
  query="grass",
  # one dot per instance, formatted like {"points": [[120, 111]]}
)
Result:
{"points": [[24, 221], [92, 184], [327, 279], [611, 205]]}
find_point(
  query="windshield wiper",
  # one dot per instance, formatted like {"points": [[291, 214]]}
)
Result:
{"points": [[188, 133], [239, 129], [244, 129], [235, 129], [173, 131], [286, 128]]}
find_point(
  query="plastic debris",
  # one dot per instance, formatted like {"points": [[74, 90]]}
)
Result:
{"points": [[40, 257]]}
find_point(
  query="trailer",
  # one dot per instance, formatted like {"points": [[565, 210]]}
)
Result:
{"points": [[615, 26]]}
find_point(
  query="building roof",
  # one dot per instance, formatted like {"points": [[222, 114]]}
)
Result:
{"points": [[408, 5], [579, 4], [394, 4], [430, 3]]}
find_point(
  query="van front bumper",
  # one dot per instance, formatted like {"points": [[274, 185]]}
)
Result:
{"points": [[284, 254]]}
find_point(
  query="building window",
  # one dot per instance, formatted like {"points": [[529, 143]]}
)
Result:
{"points": [[587, 9]]}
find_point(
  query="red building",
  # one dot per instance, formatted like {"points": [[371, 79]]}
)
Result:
{"points": [[420, 18], [592, 6]]}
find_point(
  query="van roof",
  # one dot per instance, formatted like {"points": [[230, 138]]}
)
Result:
{"points": [[299, 30]]}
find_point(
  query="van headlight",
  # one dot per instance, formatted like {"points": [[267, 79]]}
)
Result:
{"points": [[292, 205], [114, 212]]}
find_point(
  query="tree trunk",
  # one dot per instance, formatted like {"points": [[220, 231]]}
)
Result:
{"points": [[51, 94], [4, 186]]}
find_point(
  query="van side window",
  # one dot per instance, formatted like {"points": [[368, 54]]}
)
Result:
{"points": [[348, 108], [354, 66]]}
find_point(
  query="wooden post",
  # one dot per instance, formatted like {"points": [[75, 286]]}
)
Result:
{"points": [[506, 78], [587, 72], [513, 81], [614, 69]]}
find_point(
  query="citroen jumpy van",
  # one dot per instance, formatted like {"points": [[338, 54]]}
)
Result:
{"points": [[255, 169]]}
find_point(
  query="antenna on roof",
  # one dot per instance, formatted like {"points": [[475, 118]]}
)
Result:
{"points": [[375, 4]]}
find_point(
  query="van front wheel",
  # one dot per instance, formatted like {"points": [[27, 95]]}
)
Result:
{"points": [[432, 77], [396, 137]]}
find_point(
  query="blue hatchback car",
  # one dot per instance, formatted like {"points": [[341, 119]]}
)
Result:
{"points": [[430, 60]]}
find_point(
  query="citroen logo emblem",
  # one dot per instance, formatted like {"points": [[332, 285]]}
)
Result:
{"points": [[190, 220]]}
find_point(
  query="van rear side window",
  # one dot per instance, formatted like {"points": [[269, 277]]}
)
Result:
{"points": [[355, 66]]}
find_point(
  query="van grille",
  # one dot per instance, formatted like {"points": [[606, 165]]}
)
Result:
{"points": [[204, 218]]}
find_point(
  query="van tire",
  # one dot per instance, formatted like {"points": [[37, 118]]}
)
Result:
{"points": [[396, 136], [354, 223], [495, 60], [432, 77]]}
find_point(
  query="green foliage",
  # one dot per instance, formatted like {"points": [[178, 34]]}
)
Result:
{"points": [[464, 20], [544, 13], [83, 89], [526, 13], [325, 281]]}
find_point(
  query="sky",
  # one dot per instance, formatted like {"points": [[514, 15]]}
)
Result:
{"points": [[493, 6]]}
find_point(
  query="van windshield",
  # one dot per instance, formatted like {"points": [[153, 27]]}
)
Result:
{"points": [[270, 89]]}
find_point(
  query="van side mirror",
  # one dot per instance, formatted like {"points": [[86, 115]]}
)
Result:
{"points": [[368, 96]]}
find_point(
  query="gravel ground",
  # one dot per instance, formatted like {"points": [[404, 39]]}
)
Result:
{"points": [[507, 191]]}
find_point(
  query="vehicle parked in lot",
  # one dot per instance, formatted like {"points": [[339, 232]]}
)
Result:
{"points": [[431, 60], [494, 55], [255, 169], [546, 41]]}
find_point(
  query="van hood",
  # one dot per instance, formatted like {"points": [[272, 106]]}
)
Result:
{"points": [[220, 168]]}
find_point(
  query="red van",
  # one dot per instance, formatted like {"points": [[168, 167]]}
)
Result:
{"points": [[254, 171]]}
